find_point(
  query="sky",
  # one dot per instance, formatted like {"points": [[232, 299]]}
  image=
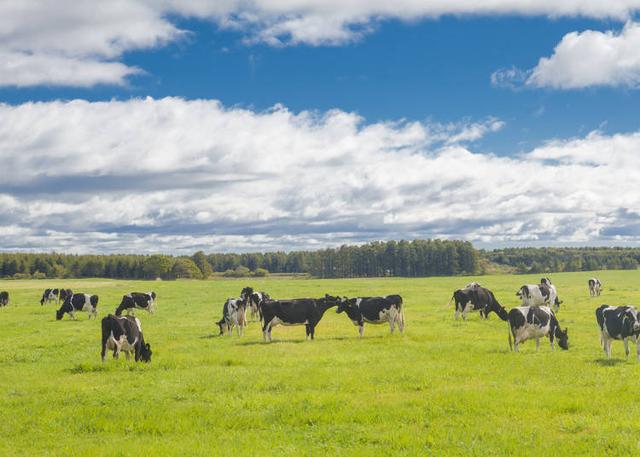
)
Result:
{"points": [[255, 125]]}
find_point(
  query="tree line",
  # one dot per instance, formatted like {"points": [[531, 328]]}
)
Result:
{"points": [[539, 260], [417, 258]]}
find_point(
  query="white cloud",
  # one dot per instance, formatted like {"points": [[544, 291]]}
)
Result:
{"points": [[175, 175], [592, 58], [91, 37], [583, 59]]}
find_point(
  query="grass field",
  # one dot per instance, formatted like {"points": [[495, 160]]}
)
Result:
{"points": [[442, 388]]}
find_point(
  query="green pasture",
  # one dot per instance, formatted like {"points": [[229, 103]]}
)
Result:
{"points": [[443, 388]]}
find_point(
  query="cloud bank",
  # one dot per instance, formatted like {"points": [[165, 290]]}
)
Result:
{"points": [[173, 175], [70, 43]]}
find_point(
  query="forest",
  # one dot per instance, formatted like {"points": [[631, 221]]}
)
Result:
{"points": [[417, 258]]}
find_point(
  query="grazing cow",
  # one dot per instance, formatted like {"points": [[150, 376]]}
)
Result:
{"points": [[124, 333], [527, 322], [595, 287], [233, 315], [79, 302], [618, 323], [4, 298], [463, 299], [50, 295], [543, 294], [137, 300], [475, 298], [299, 311], [374, 310]]}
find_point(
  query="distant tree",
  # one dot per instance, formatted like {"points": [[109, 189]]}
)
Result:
{"points": [[200, 259], [158, 266], [185, 268]]}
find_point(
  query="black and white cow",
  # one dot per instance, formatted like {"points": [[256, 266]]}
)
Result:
{"points": [[618, 323], [595, 287], [79, 302], [56, 295], [137, 300], [526, 322], [543, 294], [124, 333], [463, 300], [470, 299], [374, 310], [4, 298], [253, 301], [299, 311], [233, 315]]}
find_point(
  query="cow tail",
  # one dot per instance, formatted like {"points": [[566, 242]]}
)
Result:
{"points": [[105, 336], [449, 304], [510, 343]]}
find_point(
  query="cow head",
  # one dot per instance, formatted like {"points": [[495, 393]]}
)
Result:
{"points": [[246, 292], [343, 305], [563, 338], [145, 352], [59, 314], [523, 292]]}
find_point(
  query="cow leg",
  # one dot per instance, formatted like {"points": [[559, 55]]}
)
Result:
{"points": [[607, 347], [637, 341], [312, 330], [457, 312], [361, 329], [626, 346], [392, 323], [127, 355], [538, 344]]}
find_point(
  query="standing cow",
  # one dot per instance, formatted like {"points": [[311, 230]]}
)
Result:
{"points": [[595, 287], [233, 315], [527, 322], [137, 300], [56, 295], [618, 323], [374, 310], [253, 300], [4, 298], [124, 333], [543, 294], [79, 302], [299, 311]]}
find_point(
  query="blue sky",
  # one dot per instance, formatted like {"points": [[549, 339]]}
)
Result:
{"points": [[380, 91]]}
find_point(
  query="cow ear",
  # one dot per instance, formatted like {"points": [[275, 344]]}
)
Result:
{"points": [[566, 329], [148, 346]]}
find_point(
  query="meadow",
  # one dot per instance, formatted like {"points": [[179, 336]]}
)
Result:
{"points": [[444, 388]]}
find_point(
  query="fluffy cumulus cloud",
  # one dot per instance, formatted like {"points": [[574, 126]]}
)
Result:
{"points": [[173, 175], [66, 42], [583, 59]]}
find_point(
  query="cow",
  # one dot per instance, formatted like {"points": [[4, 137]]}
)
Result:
{"points": [[299, 311], [124, 333], [469, 299], [137, 300], [50, 295], [79, 302], [473, 284], [618, 323], [543, 294], [253, 301], [595, 287], [233, 315], [4, 298], [374, 310], [527, 322]]}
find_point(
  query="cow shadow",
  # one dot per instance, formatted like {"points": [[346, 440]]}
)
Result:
{"points": [[608, 362], [296, 341]]}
